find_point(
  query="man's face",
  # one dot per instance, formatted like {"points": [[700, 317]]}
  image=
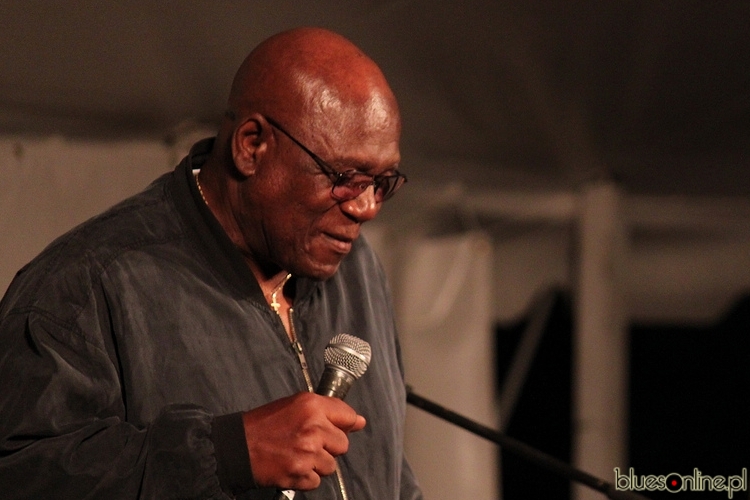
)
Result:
{"points": [[303, 229]]}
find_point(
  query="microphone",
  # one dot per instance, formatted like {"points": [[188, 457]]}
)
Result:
{"points": [[346, 359]]}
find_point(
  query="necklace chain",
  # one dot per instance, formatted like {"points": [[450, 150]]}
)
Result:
{"points": [[275, 304], [200, 189]]}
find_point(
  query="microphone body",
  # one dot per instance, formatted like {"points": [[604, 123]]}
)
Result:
{"points": [[334, 383]]}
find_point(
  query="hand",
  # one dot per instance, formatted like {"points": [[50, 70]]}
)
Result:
{"points": [[295, 440]]}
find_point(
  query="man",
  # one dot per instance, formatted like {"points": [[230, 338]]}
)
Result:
{"points": [[168, 348]]}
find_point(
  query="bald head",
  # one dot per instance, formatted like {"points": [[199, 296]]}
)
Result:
{"points": [[313, 76], [273, 195]]}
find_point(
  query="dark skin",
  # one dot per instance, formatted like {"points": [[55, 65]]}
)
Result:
{"points": [[276, 206]]}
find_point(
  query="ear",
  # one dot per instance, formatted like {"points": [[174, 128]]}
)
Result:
{"points": [[249, 144]]}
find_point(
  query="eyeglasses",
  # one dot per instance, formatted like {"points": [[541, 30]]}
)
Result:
{"points": [[350, 184]]}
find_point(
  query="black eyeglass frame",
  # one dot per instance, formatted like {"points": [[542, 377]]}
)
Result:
{"points": [[386, 184]]}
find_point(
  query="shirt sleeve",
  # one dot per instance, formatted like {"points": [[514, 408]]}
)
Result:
{"points": [[232, 456], [63, 432]]}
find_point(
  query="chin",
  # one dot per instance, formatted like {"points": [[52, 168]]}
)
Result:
{"points": [[323, 274], [319, 270]]}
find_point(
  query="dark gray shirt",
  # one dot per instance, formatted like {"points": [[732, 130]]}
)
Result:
{"points": [[129, 347]]}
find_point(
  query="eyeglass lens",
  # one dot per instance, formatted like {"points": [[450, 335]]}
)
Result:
{"points": [[350, 185]]}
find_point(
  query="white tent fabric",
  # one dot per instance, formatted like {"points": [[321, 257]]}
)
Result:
{"points": [[48, 185], [444, 288], [519, 93]]}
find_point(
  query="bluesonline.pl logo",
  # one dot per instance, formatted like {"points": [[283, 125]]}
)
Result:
{"points": [[674, 482]]}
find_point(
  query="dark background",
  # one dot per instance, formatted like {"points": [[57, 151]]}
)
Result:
{"points": [[688, 403]]}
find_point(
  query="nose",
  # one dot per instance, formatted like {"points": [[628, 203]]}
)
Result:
{"points": [[364, 207]]}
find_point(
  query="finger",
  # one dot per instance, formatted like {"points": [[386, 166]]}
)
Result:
{"points": [[307, 477], [325, 466], [306, 482], [345, 417]]}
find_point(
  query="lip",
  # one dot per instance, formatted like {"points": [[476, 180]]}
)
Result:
{"points": [[341, 243]]}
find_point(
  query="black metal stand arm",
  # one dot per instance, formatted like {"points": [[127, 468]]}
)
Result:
{"points": [[520, 449]]}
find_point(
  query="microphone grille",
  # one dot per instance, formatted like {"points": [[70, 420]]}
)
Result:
{"points": [[348, 353]]}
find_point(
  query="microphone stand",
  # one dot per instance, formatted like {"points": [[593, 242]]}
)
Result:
{"points": [[520, 449]]}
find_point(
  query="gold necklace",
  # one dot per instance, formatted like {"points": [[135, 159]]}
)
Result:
{"points": [[200, 189], [275, 304]]}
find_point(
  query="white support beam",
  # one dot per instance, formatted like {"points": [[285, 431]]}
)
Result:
{"points": [[600, 351], [640, 212]]}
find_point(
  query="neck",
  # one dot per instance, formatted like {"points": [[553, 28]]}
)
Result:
{"points": [[270, 281], [270, 278]]}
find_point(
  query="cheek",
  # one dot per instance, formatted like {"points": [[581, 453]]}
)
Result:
{"points": [[299, 218], [293, 210], [313, 251], [300, 226]]}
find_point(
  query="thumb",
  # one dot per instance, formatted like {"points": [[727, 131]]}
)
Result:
{"points": [[359, 424]]}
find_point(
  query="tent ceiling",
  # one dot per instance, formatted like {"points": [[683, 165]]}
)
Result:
{"points": [[515, 94]]}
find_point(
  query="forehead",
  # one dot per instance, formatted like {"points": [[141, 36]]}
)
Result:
{"points": [[365, 138], [350, 120], [367, 152]]}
